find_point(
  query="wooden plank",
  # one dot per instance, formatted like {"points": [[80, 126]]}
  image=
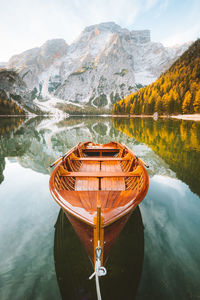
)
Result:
{"points": [[113, 183], [101, 174], [85, 183], [100, 158], [100, 149]]}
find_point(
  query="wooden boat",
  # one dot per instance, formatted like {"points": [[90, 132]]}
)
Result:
{"points": [[98, 186]]}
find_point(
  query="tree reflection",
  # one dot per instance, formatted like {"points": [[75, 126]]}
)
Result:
{"points": [[176, 141]]}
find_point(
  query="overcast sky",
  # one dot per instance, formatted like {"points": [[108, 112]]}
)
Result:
{"points": [[25, 24]]}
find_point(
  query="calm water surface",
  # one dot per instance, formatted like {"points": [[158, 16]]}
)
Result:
{"points": [[157, 256]]}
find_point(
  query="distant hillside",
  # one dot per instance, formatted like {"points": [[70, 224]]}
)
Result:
{"points": [[176, 91]]}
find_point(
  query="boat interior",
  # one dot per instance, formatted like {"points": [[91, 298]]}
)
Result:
{"points": [[109, 174], [93, 167]]}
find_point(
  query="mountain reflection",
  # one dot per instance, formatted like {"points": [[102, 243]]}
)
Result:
{"points": [[175, 141], [18, 139], [37, 142], [7, 129]]}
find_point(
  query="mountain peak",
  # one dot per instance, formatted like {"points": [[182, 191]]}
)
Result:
{"points": [[138, 36], [53, 46], [105, 26], [54, 42]]}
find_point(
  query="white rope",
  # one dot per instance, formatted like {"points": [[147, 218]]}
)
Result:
{"points": [[99, 271]]}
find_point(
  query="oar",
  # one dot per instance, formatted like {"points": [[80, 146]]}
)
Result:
{"points": [[63, 156], [147, 166], [129, 150], [58, 160]]}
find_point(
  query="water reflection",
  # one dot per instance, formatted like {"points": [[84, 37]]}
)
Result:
{"points": [[176, 141], [27, 215], [7, 130], [2, 167], [37, 142], [170, 211], [171, 219], [124, 264]]}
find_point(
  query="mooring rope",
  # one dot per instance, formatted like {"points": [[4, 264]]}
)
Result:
{"points": [[99, 270]]}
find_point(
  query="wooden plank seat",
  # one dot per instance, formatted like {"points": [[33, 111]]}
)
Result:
{"points": [[100, 158], [100, 174], [109, 159], [135, 173], [100, 149]]}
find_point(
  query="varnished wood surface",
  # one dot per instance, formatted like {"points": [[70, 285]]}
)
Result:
{"points": [[119, 184], [91, 176], [100, 174], [113, 183], [87, 235], [98, 158], [94, 148], [83, 204], [88, 184]]}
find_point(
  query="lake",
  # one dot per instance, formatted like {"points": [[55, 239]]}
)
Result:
{"points": [[157, 255]]}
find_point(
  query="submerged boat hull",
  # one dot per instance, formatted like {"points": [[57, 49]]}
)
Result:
{"points": [[72, 267]]}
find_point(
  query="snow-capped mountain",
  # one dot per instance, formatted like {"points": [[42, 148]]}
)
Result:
{"points": [[104, 64]]}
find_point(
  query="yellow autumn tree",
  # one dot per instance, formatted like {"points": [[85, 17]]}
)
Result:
{"points": [[186, 106], [175, 91], [196, 103]]}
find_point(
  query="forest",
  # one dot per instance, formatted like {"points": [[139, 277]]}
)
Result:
{"points": [[177, 91]]}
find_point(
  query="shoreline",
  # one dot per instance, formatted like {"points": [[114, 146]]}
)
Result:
{"points": [[190, 117]]}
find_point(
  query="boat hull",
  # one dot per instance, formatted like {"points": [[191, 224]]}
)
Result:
{"points": [[86, 233]]}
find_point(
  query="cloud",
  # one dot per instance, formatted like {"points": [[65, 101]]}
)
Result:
{"points": [[148, 4], [171, 183], [162, 7]]}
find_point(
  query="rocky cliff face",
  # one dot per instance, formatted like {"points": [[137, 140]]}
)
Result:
{"points": [[104, 64], [15, 97], [33, 63]]}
